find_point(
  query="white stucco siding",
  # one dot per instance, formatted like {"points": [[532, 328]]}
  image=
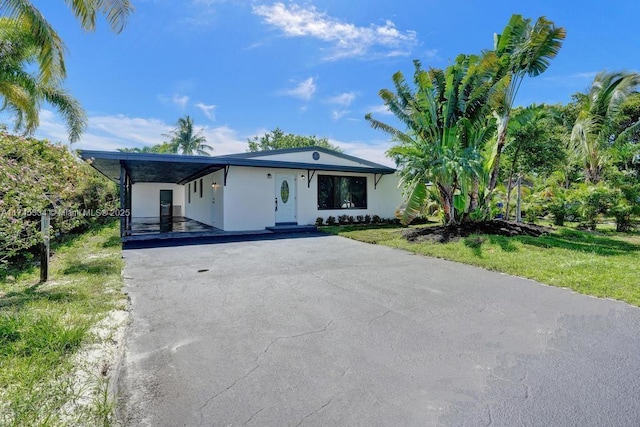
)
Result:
{"points": [[307, 157], [145, 198], [381, 201], [249, 198], [208, 208]]}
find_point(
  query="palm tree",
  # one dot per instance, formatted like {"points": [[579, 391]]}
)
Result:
{"points": [[164, 148], [521, 50], [51, 52], [593, 132], [185, 141], [24, 92], [447, 126]]}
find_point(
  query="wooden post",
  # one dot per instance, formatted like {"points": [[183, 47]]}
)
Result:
{"points": [[45, 220]]}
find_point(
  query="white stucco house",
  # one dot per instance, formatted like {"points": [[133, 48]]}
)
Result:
{"points": [[249, 191]]}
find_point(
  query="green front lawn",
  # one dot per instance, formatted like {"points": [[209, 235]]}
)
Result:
{"points": [[599, 264], [42, 327]]}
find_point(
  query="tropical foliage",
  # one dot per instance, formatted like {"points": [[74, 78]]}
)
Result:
{"points": [[28, 41], [277, 139], [35, 176], [447, 122], [184, 140], [595, 131], [24, 92]]}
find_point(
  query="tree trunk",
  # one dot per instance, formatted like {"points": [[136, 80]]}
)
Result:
{"points": [[509, 183], [502, 139], [475, 196]]}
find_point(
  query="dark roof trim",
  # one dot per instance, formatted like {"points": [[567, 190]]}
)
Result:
{"points": [[303, 150]]}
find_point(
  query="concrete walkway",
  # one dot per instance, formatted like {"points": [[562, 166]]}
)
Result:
{"points": [[327, 331]]}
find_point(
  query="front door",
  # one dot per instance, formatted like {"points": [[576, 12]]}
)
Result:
{"points": [[285, 199], [166, 210]]}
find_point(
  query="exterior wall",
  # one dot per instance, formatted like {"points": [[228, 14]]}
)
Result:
{"points": [[145, 198], [249, 202], [307, 157], [207, 209], [381, 201], [249, 197]]}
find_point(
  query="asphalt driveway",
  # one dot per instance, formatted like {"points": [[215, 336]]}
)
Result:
{"points": [[328, 331]]}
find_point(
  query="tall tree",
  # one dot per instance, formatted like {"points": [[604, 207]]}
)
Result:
{"points": [[24, 92], [277, 139], [447, 125], [521, 50], [164, 148], [594, 131], [186, 141]]}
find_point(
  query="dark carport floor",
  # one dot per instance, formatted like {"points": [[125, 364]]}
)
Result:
{"points": [[329, 331]]}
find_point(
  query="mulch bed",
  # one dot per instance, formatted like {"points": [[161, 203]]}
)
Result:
{"points": [[447, 233]]}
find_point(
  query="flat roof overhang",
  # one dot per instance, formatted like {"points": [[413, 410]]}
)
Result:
{"points": [[179, 169]]}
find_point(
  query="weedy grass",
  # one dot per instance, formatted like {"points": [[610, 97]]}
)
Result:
{"points": [[602, 264], [42, 325]]}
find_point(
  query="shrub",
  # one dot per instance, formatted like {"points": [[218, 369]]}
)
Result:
{"points": [[351, 219], [343, 219], [319, 221], [376, 219], [331, 220], [36, 175], [360, 219], [367, 219]]}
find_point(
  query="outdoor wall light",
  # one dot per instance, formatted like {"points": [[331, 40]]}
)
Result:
{"points": [[213, 185], [269, 176]]}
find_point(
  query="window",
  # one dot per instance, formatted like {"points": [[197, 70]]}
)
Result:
{"points": [[189, 193], [342, 192], [195, 186], [201, 188]]}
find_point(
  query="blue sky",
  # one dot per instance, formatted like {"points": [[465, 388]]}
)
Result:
{"points": [[242, 67]]}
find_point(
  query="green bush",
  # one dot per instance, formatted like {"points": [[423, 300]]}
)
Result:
{"points": [[36, 175], [319, 221]]}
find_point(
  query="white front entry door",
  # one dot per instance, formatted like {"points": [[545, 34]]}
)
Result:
{"points": [[285, 200]]}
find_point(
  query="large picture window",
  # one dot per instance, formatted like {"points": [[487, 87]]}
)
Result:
{"points": [[342, 192]]}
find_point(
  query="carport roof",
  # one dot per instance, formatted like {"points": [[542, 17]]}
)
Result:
{"points": [[152, 167]]}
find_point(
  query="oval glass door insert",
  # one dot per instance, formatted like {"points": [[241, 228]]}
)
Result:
{"points": [[284, 191]]}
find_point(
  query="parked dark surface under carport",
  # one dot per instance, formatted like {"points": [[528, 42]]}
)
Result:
{"points": [[322, 330]]}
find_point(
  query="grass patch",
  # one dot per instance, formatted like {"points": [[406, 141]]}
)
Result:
{"points": [[43, 325], [599, 264]]}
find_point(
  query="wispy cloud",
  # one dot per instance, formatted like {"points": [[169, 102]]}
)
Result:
{"points": [[177, 100], [345, 39], [345, 99], [119, 131], [371, 150], [379, 109], [207, 110], [338, 114], [579, 78], [303, 90]]}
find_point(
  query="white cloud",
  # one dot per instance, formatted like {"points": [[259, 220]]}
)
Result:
{"points": [[338, 114], [303, 90], [345, 99], [345, 39], [380, 109], [175, 99], [373, 151], [119, 131], [207, 110]]}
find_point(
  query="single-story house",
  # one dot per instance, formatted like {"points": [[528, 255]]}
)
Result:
{"points": [[249, 191]]}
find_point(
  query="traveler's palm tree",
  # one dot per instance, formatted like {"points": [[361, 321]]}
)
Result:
{"points": [[446, 127], [521, 50], [185, 141], [24, 92], [592, 133]]}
